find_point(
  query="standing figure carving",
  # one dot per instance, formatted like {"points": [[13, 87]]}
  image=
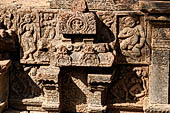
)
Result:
{"points": [[132, 38], [48, 27], [28, 37]]}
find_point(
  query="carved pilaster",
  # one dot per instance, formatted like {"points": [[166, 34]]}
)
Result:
{"points": [[49, 77], [97, 85], [158, 31]]}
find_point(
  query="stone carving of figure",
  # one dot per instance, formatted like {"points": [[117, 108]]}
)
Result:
{"points": [[133, 38], [49, 32], [138, 90], [27, 37], [50, 24]]}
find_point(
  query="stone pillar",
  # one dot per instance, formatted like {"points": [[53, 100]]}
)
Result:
{"points": [[4, 84], [51, 102], [49, 76], [159, 79], [97, 85]]}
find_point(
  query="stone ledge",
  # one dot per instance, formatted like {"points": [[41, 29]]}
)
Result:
{"points": [[25, 3], [126, 106], [157, 108], [152, 6]]}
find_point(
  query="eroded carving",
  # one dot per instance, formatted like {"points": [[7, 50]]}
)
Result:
{"points": [[4, 83], [99, 4], [7, 30], [63, 59], [49, 78], [49, 36], [134, 84], [133, 38], [25, 83], [84, 55], [77, 23], [89, 57], [67, 58], [28, 36]]}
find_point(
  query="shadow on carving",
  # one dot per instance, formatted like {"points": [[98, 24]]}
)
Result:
{"points": [[129, 86], [23, 84], [73, 90]]}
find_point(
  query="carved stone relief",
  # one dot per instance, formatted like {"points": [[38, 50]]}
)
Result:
{"points": [[160, 35], [134, 45], [34, 84], [85, 56], [99, 4], [28, 35], [74, 90], [78, 23], [48, 35], [81, 25], [24, 76], [130, 85], [38, 45]]}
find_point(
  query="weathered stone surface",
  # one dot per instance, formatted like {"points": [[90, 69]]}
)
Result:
{"points": [[15, 111], [97, 85], [25, 3], [77, 23], [133, 40], [85, 56], [4, 83], [98, 4], [159, 86], [132, 84], [154, 6]]}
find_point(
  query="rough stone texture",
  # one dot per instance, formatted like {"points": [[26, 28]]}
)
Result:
{"points": [[85, 56], [4, 80], [26, 3], [98, 4], [159, 92]]}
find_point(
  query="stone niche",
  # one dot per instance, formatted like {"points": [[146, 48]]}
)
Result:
{"points": [[84, 56]]}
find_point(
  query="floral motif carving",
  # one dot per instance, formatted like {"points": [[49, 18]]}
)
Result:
{"points": [[77, 23]]}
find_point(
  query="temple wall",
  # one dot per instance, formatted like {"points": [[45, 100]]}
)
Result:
{"points": [[84, 56]]}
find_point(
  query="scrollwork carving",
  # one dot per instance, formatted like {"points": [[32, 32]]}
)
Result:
{"points": [[77, 23]]}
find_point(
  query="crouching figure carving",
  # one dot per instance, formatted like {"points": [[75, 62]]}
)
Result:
{"points": [[132, 38]]}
